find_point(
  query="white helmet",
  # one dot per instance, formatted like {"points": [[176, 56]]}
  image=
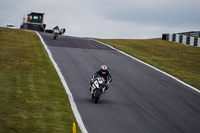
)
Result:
{"points": [[104, 69]]}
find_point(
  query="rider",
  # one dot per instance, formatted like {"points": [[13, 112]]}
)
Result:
{"points": [[103, 72], [56, 28]]}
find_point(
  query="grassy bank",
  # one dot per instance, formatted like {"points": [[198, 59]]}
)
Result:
{"points": [[32, 98], [176, 59]]}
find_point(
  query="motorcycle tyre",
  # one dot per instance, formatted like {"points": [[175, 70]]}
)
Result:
{"points": [[54, 37], [97, 96]]}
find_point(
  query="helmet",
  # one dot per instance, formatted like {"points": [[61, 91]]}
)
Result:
{"points": [[104, 69]]}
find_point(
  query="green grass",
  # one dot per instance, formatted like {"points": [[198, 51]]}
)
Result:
{"points": [[179, 60], [32, 98]]}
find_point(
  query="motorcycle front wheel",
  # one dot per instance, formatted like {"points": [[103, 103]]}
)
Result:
{"points": [[97, 96], [54, 37]]}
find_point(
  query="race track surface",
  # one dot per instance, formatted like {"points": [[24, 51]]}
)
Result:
{"points": [[139, 100]]}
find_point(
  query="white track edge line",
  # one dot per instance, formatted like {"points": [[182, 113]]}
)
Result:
{"points": [[71, 99], [182, 82]]}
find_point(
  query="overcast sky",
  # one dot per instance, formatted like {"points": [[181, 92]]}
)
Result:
{"points": [[134, 19]]}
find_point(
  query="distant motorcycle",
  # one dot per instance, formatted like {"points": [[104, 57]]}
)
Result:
{"points": [[97, 88], [62, 31], [55, 33]]}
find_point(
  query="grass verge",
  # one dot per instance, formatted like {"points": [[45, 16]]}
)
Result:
{"points": [[179, 60], [32, 97]]}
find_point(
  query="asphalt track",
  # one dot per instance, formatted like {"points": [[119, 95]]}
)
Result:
{"points": [[139, 100]]}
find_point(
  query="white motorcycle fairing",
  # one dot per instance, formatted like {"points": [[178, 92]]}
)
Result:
{"points": [[97, 83]]}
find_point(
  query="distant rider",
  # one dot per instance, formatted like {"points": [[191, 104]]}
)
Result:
{"points": [[103, 72]]}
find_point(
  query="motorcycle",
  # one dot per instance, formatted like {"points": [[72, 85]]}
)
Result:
{"points": [[97, 88], [55, 33]]}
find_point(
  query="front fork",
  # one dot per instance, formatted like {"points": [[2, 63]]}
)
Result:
{"points": [[92, 88]]}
